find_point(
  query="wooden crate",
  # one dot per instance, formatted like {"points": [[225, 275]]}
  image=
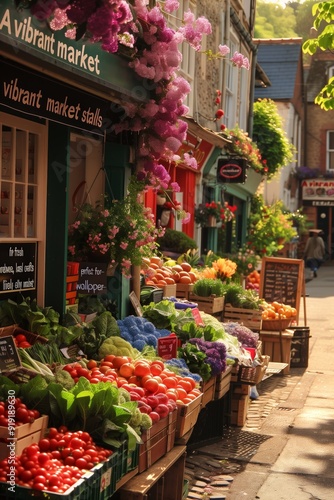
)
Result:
{"points": [[278, 347], [169, 290], [187, 416], [209, 305], [239, 409], [23, 436], [250, 318], [208, 389], [14, 330], [183, 290], [223, 383], [164, 480], [157, 441]]}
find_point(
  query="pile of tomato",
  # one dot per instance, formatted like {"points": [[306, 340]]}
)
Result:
{"points": [[21, 341], [18, 412], [157, 389], [56, 462]]}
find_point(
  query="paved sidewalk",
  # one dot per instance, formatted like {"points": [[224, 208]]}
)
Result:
{"points": [[297, 462], [285, 451]]}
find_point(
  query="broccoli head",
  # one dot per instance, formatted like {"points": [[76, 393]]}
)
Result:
{"points": [[146, 422], [64, 378]]}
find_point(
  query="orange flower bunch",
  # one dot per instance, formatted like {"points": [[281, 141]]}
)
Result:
{"points": [[221, 269]]}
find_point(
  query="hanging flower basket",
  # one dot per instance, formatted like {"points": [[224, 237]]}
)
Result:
{"points": [[212, 221]]}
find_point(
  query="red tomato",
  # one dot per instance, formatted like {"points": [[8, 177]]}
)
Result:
{"points": [[24, 344], [151, 385], [141, 369], [162, 409], [118, 361], [154, 416], [156, 369], [20, 338], [92, 364]]}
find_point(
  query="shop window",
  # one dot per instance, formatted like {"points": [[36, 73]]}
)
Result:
{"points": [[330, 150], [187, 69], [21, 183], [23, 177], [87, 178], [231, 88]]}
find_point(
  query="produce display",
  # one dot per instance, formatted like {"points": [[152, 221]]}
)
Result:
{"points": [[277, 310], [161, 273], [237, 296], [112, 386], [204, 357], [22, 414], [21, 341], [205, 287], [56, 462], [245, 336], [253, 281], [140, 332]]}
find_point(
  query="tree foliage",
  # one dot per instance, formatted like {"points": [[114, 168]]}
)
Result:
{"points": [[323, 14], [270, 137], [274, 21]]}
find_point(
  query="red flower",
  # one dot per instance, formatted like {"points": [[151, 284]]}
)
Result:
{"points": [[222, 127], [219, 113]]}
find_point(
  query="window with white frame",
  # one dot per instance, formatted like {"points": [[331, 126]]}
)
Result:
{"points": [[23, 177], [330, 72], [231, 89], [330, 150], [187, 69], [22, 187]]}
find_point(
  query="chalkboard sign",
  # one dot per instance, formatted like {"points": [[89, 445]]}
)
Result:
{"points": [[282, 280], [17, 267], [92, 278], [9, 358]]}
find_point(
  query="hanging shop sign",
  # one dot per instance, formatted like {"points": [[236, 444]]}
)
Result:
{"points": [[318, 192], [25, 33], [231, 170], [29, 92], [17, 268]]}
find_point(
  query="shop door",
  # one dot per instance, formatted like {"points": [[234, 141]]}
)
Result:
{"points": [[23, 179]]}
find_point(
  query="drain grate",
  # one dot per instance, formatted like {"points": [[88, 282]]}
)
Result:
{"points": [[240, 445]]}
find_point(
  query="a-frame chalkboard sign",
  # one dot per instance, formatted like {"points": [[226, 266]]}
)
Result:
{"points": [[282, 280]]}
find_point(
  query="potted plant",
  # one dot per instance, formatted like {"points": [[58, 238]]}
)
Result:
{"points": [[209, 214], [120, 232], [269, 227]]}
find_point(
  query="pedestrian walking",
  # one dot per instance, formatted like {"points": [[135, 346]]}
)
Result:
{"points": [[314, 253]]}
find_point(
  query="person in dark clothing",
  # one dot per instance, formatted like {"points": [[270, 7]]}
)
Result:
{"points": [[314, 252]]}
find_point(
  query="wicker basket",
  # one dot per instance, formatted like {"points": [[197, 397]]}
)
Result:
{"points": [[252, 375], [276, 324]]}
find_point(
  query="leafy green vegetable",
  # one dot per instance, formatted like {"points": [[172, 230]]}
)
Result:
{"points": [[95, 333], [84, 407], [164, 315], [189, 331], [195, 360], [206, 287]]}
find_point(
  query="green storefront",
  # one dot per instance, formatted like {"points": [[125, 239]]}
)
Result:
{"points": [[59, 101]]}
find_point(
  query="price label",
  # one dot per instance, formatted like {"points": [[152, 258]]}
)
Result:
{"points": [[167, 347], [9, 357], [197, 316], [136, 304]]}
